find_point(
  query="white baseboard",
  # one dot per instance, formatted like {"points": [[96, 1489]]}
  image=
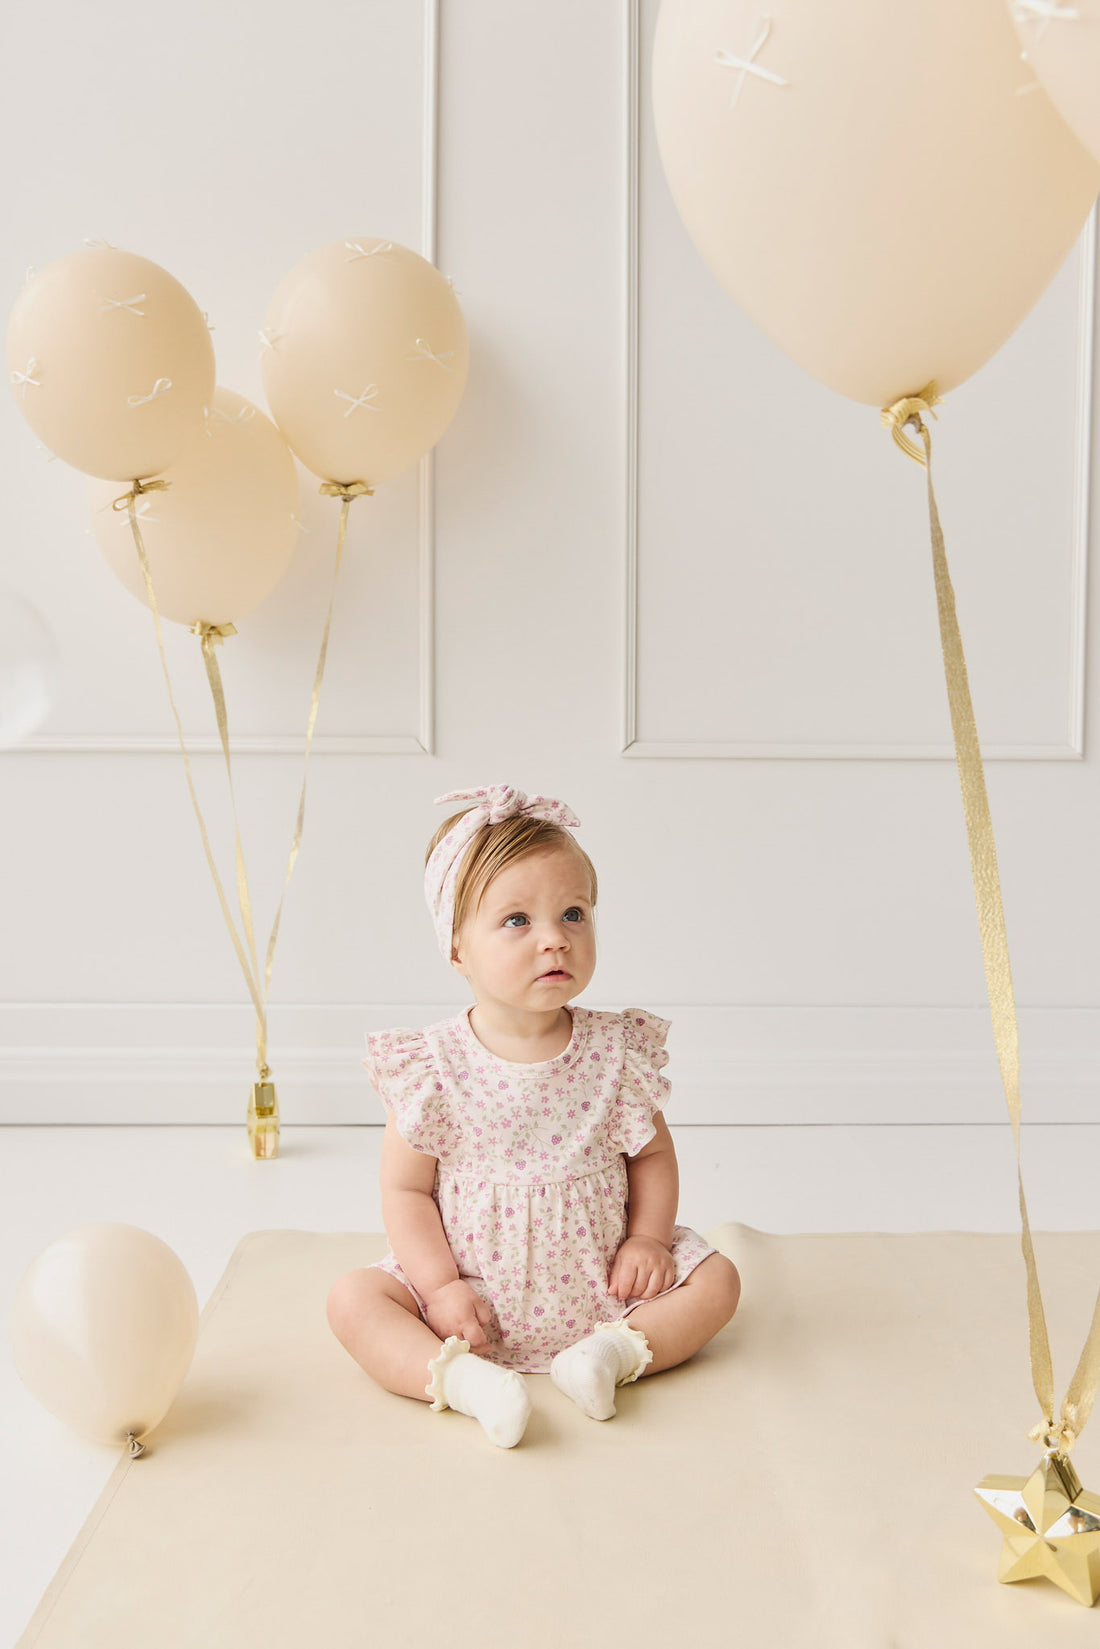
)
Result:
{"points": [[125, 1063]]}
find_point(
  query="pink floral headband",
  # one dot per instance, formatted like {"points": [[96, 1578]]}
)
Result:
{"points": [[498, 801]]}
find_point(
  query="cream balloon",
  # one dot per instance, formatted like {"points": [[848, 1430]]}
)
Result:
{"points": [[865, 180], [111, 363], [1062, 44], [221, 536], [365, 359], [103, 1325]]}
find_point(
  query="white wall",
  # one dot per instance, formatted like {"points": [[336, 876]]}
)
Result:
{"points": [[654, 569]]}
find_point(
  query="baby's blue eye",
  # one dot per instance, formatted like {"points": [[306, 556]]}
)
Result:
{"points": [[573, 910]]}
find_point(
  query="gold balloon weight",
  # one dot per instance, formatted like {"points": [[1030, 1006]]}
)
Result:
{"points": [[1051, 1527], [263, 1120]]}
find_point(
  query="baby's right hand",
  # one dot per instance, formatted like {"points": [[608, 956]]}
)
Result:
{"points": [[457, 1308]]}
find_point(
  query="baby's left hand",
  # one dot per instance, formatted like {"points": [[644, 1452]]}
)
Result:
{"points": [[642, 1268]]}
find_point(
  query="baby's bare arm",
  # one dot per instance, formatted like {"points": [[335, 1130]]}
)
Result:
{"points": [[416, 1236], [410, 1215]]}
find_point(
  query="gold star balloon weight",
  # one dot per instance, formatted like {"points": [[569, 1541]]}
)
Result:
{"points": [[1051, 1527]]}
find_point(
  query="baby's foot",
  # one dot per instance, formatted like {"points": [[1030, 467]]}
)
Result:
{"points": [[589, 1371], [497, 1398]]}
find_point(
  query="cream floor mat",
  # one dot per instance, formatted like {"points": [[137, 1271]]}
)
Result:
{"points": [[806, 1479]]}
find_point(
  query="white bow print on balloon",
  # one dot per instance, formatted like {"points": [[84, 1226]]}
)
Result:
{"points": [[748, 65], [498, 801]]}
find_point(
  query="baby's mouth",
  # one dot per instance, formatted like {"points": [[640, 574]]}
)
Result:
{"points": [[556, 973]]}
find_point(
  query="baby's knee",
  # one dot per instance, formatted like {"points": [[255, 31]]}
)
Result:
{"points": [[723, 1283], [733, 1285], [344, 1302]]}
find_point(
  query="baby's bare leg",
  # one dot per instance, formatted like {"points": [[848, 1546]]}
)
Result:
{"points": [[375, 1318], [679, 1324]]}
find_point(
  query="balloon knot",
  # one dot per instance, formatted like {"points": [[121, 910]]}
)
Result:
{"points": [[908, 410], [345, 489], [213, 634], [134, 1446], [124, 500]]}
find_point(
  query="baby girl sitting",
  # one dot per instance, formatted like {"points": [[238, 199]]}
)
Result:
{"points": [[529, 1181]]}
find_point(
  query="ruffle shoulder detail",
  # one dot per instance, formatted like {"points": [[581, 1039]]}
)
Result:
{"points": [[643, 1089], [404, 1074]]}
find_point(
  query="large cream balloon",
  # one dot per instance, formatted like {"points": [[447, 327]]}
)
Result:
{"points": [[866, 179], [103, 1325], [111, 363], [365, 359], [1062, 44], [221, 536]]}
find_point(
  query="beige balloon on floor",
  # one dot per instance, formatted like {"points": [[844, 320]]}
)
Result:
{"points": [[869, 181], [103, 1325], [111, 363], [1061, 43], [365, 359], [221, 536]]}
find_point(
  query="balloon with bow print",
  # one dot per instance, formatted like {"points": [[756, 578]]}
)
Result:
{"points": [[874, 185], [111, 362], [364, 359], [221, 535]]}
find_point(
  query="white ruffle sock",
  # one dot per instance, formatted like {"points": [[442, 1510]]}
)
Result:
{"points": [[497, 1398], [613, 1355]]}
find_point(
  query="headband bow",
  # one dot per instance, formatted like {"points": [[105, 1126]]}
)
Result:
{"points": [[498, 801]]}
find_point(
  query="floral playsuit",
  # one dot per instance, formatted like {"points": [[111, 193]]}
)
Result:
{"points": [[531, 1181]]}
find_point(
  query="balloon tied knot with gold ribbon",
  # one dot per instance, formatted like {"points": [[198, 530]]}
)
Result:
{"points": [[346, 489], [213, 635], [908, 410], [124, 500]]}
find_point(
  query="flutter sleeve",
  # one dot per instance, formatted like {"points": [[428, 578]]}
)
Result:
{"points": [[643, 1089], [406, 1078]]}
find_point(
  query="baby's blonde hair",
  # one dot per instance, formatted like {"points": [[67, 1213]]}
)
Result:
{"points": [[496, 845]]}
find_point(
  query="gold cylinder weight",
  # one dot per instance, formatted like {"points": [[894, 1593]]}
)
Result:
{"points": [[263, 1120]]}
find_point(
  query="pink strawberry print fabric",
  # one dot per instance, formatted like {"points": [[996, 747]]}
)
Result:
{"points": [[531, 1181]]}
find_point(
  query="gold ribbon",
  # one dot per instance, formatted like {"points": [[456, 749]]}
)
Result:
{"points": [[1057, 1438], [348, 492], [907, 411], [214, 633], [212, 636], [345, 489], [124, 500]]}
